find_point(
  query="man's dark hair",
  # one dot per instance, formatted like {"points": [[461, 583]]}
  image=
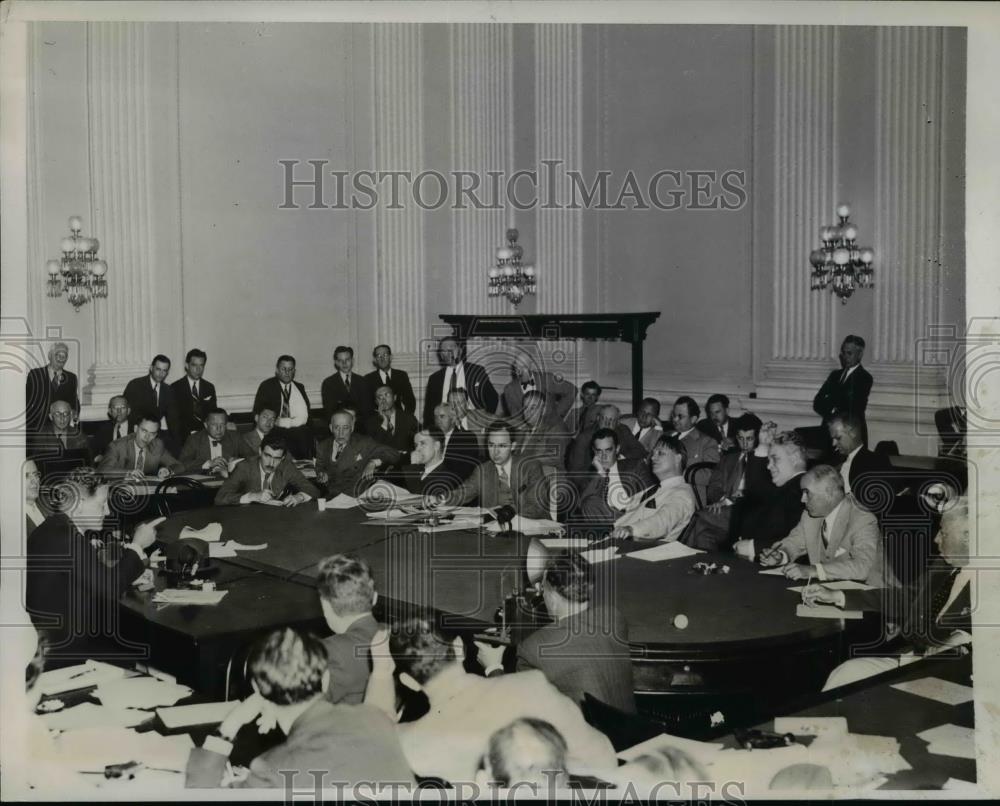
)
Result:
{"points": [[160, 359], [500, 425], [748, 422], [718, 397], [282, 358], [80, 482], [420, 648], [287, 666], [652, 401], [459, 342], [604, 433], [345, 581], [217, 410], [377, 347], [194, 352], [569, 575], [262, 408], [274, 441], [146, 416], [674, 444], [852, 339], [850, 421], [692, 407], [340, 348], [434, 433], [592, 385]]}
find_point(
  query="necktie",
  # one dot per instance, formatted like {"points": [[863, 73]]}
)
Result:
{"points": [[385, 377], [286, 397], [942, 593], [388, 426], [605, 488], [140, 460], [266, 483], [648, 494], [196, 402], [743, 473], [62, 439], [843, 377], [504, 495], [57, 380], [156, 395], [823, 536], [504, 480], [347, 383], [336, 451], [454, 379]]}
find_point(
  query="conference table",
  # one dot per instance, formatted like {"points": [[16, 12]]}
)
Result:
{"points": [[737, 623]]}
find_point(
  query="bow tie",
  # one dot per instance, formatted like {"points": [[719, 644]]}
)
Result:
{"points": [[216, 443]]}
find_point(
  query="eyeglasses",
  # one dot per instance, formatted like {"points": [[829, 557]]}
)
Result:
{"points": [[32, 474]]}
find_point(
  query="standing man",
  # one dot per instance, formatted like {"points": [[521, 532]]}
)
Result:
{"points": [[385, 374], [214, 449], [58, 435], [116, 427], [151, 395], [45, 385], [859, 467], [345, 387], [542, 435], [846, 389], [194, 395], [717, 423], [584, 416], [346, 462], [286, 396], [557, 392], [456, 373], [470, 419]]}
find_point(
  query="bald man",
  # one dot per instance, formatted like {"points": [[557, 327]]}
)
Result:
{"points": [[59, 435]]}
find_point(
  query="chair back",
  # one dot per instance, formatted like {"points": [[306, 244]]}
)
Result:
{"points": [[697, 475]]}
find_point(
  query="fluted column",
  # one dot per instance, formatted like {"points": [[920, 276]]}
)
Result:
{"points": [[399, 145], [119, 96], [909, 120]]}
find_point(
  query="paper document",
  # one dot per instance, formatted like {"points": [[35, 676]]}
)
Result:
{"points": [[528, 526], [209, 533], [382, 492], [228, 548], [664, 551], [92, 715], [564, 542], [183, 716], [594, 556], [934, 688], [342, 501], [838, 585], [810, 725], [772, 572], [826, 611], [704, 752], [958, 785], [188, 597], [140, 692], [95, 748], [90, 673], [950, 740], [387, 514]]}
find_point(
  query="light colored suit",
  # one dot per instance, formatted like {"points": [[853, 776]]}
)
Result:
{"points": [[663, 515], [854, 546], [120, 456], [649, 438]]}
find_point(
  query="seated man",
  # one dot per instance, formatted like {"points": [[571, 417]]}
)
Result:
{"points": [[579, 457], [466, 709], [428, 474], [542, 435], [772, 502], [347, 594], [325, 744], [461, 448], [710, 527], [214, 449], [35, 512], [268, 480], [660, 512], [346, 462], [841, 540], [59, 435], [528, 754], [390, 425], [860, 467], [645, 424], [263, 420], [611, 483], [140, 454], [935, 612], [717, 423], [584, 416], [557, 392], [504, 480], [116, 427], [585, 649], [700, 447], [470, 419]]}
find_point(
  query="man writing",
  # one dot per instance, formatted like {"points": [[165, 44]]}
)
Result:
{"points": [[142, 453], [269, 480], [214, 449]]}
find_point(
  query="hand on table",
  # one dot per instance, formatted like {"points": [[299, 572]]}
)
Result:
{"points": [[164, 473], [622, 533], [295, 500], [813, 595], [370, 468], [773, 556], [745, 549], [796, 571], [244, 713]]}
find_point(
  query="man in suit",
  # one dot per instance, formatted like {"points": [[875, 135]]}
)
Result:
{"points": [[346, 462], [268, 480], [846, 389], [717, 423], [470, 419], [214, 449], [263, 421], [700, 448], [771, 506], [934, 613], [58, 436], [324, 745], [584, 649], [152, 395], [35, 512], [287, 397], [141, 453], [504, 480], [645, 424], [345, 387], [457, 373], [710, 527], [580, 456], [840, 539], [557, 392], [385, 374], [429, 474], [662, 510], [194, 395], [860, 468], [952, 425], [611, 483], [347, 595], [461, 448], [542, 434], [584, 416], [45, 385], [116, 427], [391, 425]]}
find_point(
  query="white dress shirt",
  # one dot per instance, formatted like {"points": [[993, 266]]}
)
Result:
{"points": [[119, 430], [459, 371], [35, 515], [617, 494], [845, 468], [428, 469], [156, 397], [297, 409]]}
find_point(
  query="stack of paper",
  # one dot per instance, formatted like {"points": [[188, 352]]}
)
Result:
{"points": [[95, 748], [527, 526], [838, 585], [858, 760], [188, 597], [90, 673], [664, 551], [950, 740], [209, 533], [826, 611], [140, 692], [387, 514], [565, 543], [183, 716], [594, 556], [383, 493], [92, 715], [934, 688], [342, 501], [705, 753], [772, 572]]}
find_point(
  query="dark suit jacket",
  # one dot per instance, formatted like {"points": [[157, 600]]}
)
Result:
{"points": [[197, 450], [726, 476], [462, 454], [546, 443], [105, 436], [29, 525], [527, 487], [482, 395], [579, 457], [869, 471], [246, 478], [71, 587], [440, 479], [581, 418], [766, 519], [343, 743], [709, 428], [335, 395], [834, 396], [120, 457], [401, 438], [46, 444], [586, 653], [191, 421], [559, 395], [39, 395], [952, 425], [345, 474], [349, 660], [593, 507], [139, 394], [269, 395], [250, 444], [400, 383]]}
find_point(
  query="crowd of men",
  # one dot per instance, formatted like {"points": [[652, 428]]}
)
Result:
{"points": [[797, 500]]}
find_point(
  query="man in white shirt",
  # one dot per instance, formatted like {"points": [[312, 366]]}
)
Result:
{"points": [[213, 450], [287, 397], [662, 511], [457, 373], [645, 425], [116, 427]]}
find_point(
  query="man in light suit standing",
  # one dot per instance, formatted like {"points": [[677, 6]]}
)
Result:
{"points": [[841, 540], [457, 373], [557, 392], [141, 453]]}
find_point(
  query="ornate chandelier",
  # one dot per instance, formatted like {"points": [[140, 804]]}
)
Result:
{"points": [[509, 278], [80, 275], [840, 263]]}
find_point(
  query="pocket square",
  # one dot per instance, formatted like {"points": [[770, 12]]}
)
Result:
{"points": [[840, 552]]}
